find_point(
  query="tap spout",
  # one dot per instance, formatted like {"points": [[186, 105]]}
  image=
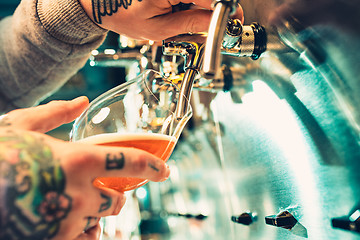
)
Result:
{"points": [[185, 92], [189, 46], [217, 28]]}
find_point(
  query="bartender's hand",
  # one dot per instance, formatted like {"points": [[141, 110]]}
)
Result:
{"points": [[46, 186], [150, 19]]}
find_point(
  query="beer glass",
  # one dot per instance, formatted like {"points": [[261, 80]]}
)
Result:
{"points": [[139, 114]]}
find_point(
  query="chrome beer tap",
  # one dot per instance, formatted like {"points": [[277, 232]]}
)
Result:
{"points": [[230, 37], [238, 41], [189, 46], [222, 11]]}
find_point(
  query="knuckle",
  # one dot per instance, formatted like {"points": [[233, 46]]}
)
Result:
{"points": [[191, 25], [77, 161], [139, 164], [197, 23]]}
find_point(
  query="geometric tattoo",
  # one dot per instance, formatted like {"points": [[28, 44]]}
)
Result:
{"points": [[105, 205], [102, 8], [115, 162], [32, 188], [154, 167]]}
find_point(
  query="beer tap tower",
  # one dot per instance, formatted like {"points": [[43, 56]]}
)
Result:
{"points": [[202, 52]]}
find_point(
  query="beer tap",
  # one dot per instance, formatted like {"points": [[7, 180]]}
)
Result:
{"points": [[238, 41], [221, 13], [189, 46]]}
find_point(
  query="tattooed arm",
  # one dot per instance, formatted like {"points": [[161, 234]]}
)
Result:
{"points": [[150, 19], [45, 42], [42, 45], [46, 189]]}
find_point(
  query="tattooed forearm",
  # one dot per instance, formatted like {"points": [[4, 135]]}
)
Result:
{"points": [[32, 183], [115, 162], [102, 8]]}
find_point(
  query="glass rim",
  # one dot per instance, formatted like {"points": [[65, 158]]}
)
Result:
{"points": [[139, 78]]}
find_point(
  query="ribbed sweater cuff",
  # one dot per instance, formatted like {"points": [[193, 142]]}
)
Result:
{"points": [[67, 21]]}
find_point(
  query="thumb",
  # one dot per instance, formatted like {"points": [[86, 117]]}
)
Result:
{"points": [[193, 20], [196, 20], [46, 117]]}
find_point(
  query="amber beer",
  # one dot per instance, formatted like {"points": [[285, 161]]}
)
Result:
{"points": [[158, 144]]}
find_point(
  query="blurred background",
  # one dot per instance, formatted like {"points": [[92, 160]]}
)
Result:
{"points": [[272, 151]]}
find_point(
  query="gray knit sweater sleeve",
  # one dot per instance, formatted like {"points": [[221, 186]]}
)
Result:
{"points": [[42, 45]]}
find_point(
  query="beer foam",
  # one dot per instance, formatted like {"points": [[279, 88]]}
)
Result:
{"points": [[114, 137]]}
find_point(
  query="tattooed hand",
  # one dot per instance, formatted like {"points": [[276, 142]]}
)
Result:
{"points": [[46, 189], [150, 19]]}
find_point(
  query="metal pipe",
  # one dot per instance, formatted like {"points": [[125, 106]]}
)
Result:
{"points": [[185, 92], [191, 48], [217, 27]]}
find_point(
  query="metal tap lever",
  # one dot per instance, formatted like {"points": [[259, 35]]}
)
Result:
{"points": [[284, 219], [245, 218], [189, 46], [350, 223], [221, 34], [217, 27], [239, 41]]}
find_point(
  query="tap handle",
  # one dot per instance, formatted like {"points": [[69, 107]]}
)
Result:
{"points": [[284, 219], [350, 223], [217, 27], [245, 218], [230, 37]]}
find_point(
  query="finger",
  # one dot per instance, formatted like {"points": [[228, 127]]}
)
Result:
{"points": [[92, 223], [87, 161], [200, 3], [96, 202], [46, 117], [208, 4], [173, 24], [195, 20], [239, 14], [84, 204], [90, 234], [76, 227], [93, 233], [101, 202]]}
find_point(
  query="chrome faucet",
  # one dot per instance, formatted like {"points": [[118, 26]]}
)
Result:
{"points": [[222, 11], [202, 51], [189, 46]]}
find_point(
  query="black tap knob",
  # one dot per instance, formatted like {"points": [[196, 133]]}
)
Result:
{"points": [[346, 224], [350, 223], [284, 220], [189, 215], [246, 218]]}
